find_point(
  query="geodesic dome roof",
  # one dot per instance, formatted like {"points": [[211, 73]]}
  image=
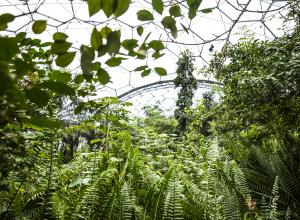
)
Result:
{"points": [[218, 22]]}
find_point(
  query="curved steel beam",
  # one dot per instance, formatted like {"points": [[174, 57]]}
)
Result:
{"points": [[202, 83]]}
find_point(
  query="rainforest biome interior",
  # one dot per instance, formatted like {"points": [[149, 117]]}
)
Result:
{"points": [[139, 109]]}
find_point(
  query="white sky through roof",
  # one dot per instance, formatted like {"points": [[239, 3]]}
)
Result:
{"points": [[262, 18]]}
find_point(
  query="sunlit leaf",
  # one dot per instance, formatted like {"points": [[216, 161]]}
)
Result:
{"points": [[37, 96], [161, 71], [140, 30], [157, 54], [207, 10], [95, 141], [65, 60], [144, 15], [140, 68], [58, 87], [60, 47], [96, 66], [158, 6], [130, 44], [146, 72], [105, 32], [113, 42], [103, 76], [39, 26], [96, 39], [175, 11], [109, 6], [169, 23], [94, 6], [113, 62], [122, 7], [193, 7], [59, 36], [6, 18], [156, 45]]}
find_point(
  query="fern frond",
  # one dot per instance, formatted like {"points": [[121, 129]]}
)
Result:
{"points": [[126, 206], [274, 215], [172, 206]]}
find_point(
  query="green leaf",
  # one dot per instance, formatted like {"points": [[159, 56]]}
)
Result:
{"points": [[113, 42], [23, 67], [60, 47], [58, 87], [105, 32], [130, 44], [156, 45], [96, 66], [102, 50], [3, 26], [169, 23], [96, 39], [103, 76], [140, 30], [175, 11], [114, 61], [6, 18], [161, 71], [94, 6], [21, 35], [193, 7], [95, 141], [79, 108], [146, 72], [140, 68], [157, 54], [41, 122], [65, 60], [122, 7], [79, 79], [158, 6], [39, 26], [60, 76], [8, 48], [87, 56], [141, 53], [37, 96], [59, 36], [185, 28], [109, 6], [144, 15], [207, 10]]}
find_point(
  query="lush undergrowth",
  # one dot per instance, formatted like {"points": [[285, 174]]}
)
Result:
{"points": [[237, 158]]}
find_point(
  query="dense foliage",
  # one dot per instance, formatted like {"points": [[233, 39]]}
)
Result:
{"points": [[188, 84], [237, 159]]}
